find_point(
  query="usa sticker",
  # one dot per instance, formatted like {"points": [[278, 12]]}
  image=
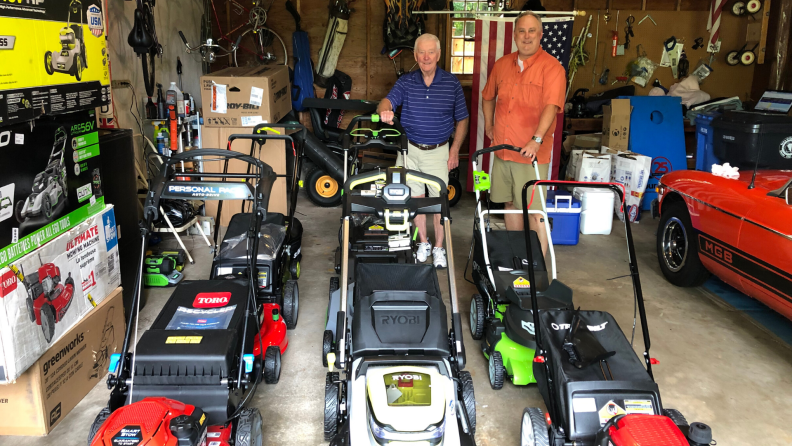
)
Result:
{"points": [[95, 21]]}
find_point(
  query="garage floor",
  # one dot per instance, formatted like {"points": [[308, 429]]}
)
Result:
{"points": [[716, 365]]}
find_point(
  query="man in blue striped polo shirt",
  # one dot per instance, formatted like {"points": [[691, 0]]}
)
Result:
{"points": [[433, 106]]}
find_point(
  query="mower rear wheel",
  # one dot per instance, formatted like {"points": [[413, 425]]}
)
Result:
{"points": [[676, 416], [331, 406], [101, 417], [294, 269], [31, 311], [454, 191], [46, 207], [78, 68], [48, 63], [48, 322], [469, 398], [533, 431], [272, 364], [18, 211], [496, 370], [322, 189], [478, 316], [248, 431], [327, 345], [291, 303], [677, 249]]}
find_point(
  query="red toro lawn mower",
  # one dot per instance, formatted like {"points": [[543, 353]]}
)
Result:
{"points": [[47, 298], [191, 375]]}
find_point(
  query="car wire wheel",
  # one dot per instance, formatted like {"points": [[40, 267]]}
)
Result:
{"points": [[675, 244]]}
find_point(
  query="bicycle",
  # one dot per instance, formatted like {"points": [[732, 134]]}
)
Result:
{"points": [[143, 39]]}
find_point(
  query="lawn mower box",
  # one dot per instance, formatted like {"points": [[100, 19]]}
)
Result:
{"points": [[43, 396], [54, 58], [245, 97], [50, 180], [45, 293]]}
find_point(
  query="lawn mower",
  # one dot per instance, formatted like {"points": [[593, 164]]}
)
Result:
{"points": [[399, 377], [49, 186], [500, 315], [161, 271], [72, 57], [190, 376], [279, 250], [47, 298], [596, 390]]}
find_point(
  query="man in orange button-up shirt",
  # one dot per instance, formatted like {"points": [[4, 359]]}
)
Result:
{"points": [[529, 85]]}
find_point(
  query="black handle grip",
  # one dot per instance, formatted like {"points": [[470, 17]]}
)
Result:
{"points": [[184, 39], [236, 44], [496, 148]]}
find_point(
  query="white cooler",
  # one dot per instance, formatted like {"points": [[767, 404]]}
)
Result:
{"points": [[596, 215]]}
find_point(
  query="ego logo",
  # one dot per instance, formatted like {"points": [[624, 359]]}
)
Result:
{"points": [[660, 166]]}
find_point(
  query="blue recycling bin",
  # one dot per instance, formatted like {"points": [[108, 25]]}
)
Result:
{"points": [[705, 156]]}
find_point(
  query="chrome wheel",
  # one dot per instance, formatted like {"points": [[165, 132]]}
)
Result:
{"points": [[675, 244]]}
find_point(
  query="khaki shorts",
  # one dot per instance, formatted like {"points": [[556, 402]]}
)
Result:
{"points": [[508, 179], [431, 162]]}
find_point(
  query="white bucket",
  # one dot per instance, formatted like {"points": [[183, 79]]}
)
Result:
{"points": [[596, 215]]}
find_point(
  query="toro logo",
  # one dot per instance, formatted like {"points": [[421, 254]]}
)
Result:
{"points": [[211, 300], [715, 250], [8, 283]]}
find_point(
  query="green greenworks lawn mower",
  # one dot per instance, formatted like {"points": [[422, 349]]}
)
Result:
{"points": [[500, 315], [162, 270]]}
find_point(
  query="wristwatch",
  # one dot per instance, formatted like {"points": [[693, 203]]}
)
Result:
{"points": [[537, 139]]}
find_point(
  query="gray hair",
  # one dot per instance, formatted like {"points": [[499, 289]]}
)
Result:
{"points": [[423, 37], [524, 14]]}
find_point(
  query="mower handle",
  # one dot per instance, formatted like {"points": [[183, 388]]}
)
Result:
{"points": [[372, 118], [480, 152]]}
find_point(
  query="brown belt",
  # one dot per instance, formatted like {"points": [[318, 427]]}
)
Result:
{"points": [[429, 146]]}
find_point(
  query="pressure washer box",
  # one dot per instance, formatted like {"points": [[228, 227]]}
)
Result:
{"points": [[54, 58], [50, 180], [43, 396], [45, 293], [564, 209], [245, 97]]}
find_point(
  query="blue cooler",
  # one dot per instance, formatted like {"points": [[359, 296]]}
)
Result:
{"points": [[564, 209]]}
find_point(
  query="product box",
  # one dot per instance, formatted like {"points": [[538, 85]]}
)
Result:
{"points": [[632, 170], [50, 180], [43, 396], [245, 97], [616, 124], [45, 293], [272, 153], [54, 58], [592, 167], [591, 142]]}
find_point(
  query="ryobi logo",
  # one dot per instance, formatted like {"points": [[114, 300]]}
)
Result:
{"points": [[599, 327], [406, 377], [400, 320], [85, 127], [211, 300]]}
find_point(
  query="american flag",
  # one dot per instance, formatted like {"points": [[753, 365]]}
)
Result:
{"points": [[494, 38], [713, 25]]}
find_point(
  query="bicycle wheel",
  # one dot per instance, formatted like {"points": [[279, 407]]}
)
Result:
{"points": [[147, 61]]}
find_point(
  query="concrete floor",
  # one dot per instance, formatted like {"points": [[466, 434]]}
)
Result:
{"points": [[716, 366]]}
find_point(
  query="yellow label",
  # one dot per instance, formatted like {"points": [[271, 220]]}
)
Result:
{"points": [[183, 340], [520, 282], [203, 418], [90, 299], [376, 228], [610, 410]]}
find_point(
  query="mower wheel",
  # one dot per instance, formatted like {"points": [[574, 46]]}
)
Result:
{"points": [[46, 207], [322, 189], [18, 211], [478, 316], [496, 370], [454, 191], [291, 304], [101, 417], [677, 249], [469, 398], [78, 68], [327, 345], [48, 63], [272, 364], [294, 269], [733, 58], [331, 406], [48, 322], [676, 416], [248, 430], [533, 431], [31, 312]]}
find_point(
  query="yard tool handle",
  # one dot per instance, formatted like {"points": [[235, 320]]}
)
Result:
{"points": [[480, 152]]}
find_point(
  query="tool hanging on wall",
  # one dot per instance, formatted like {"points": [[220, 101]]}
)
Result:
{"points": [[647, 16], [628, 31], [578, 56], [606, 17], [741, 8], [699, 42], [604, 78], [336, 33], [596, 47]]}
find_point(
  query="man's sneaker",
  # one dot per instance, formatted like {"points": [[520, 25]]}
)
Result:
{"points": [[439, 258], [423, 251]]}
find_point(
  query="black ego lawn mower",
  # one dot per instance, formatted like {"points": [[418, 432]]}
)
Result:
{"points": [[190, 377], [72, 58], [596, 390]]}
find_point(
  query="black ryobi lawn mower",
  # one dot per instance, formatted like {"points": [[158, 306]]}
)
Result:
{"points": [[399, 377], [280, 245], [596, 390], [189, 378]]}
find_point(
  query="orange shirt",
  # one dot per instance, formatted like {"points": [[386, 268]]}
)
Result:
{"points": [[521, 98]]}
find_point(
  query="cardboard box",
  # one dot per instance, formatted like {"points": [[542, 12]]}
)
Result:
{"points": [[272, 153], [42, 44], [45, 293], [50, 163], [43, 396], [245, 97], [616, 124], [592, 141]]}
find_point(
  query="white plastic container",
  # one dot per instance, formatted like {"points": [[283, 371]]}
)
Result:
{"points": [[596, 215]]}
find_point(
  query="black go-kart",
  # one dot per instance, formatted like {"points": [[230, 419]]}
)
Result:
{"points": [[596, 390], [279, 251], [192, 374], [395, 368]]}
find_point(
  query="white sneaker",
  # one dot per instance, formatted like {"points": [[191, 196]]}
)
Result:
{"points": [[439, 257], [423, 251]]}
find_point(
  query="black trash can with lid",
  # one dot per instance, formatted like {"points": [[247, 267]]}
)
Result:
{"points": [[741, 137]]}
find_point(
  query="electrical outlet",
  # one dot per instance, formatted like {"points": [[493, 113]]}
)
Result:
{"points": [[123, 83]]}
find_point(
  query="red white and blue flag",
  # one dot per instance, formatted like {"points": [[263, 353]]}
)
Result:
{"points": [[494, 39]]}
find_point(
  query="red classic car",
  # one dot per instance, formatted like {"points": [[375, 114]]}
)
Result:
{"points": [[742, 234]]}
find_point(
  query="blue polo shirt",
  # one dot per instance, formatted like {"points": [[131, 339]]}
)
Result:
{"points": [[429, 113]]}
